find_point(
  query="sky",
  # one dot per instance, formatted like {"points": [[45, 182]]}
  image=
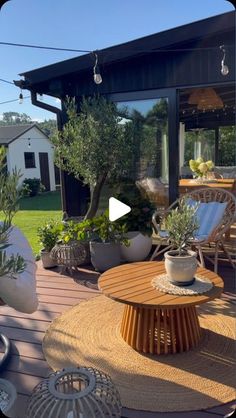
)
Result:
{"points": [[81, 24]]}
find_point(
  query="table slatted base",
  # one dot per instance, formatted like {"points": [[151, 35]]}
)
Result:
{"points": [[160, 331]]}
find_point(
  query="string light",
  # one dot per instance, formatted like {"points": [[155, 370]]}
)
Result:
{"points": [[117, 49], [224, 68], [21, 98], [96, 72], [14, 100]]}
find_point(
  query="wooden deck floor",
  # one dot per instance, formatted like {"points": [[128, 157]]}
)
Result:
{"points": [[57, 293]]}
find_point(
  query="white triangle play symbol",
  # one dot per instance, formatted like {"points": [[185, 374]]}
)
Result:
{"points": [[117, 209]]}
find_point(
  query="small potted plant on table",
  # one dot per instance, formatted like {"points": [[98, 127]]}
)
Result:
{"points": [[48, 235], [180, 262]]}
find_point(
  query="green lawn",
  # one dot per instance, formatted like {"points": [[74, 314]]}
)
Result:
{"points": [[35, 211]]}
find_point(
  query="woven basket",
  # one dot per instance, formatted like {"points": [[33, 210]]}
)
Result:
{"points": [[82, 392], [69, 256], [87, 259]]}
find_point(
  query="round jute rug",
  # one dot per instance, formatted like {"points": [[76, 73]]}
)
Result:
{"points": [[89, 335]]}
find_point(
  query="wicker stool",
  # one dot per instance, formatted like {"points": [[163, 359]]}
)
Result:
{"points": [[75, 393], [68, 256]]}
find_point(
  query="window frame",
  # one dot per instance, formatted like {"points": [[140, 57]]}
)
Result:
{"points": [[33, 160]]}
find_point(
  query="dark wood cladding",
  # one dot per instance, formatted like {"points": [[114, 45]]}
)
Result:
{"points": [[154, 71], [190, 58]]}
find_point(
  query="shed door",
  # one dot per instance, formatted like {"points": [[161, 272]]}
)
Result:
{"points": [[44, 170]]}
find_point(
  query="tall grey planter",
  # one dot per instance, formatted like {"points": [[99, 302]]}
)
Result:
{"points": [[104, 255]]}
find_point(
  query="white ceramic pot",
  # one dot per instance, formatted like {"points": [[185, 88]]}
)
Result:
{"points": [[20, 294], [47, 261], [181, 269], [139, 248]]}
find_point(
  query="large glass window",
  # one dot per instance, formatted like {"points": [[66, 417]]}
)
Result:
{"points": [[226, 154], [150, 165]]}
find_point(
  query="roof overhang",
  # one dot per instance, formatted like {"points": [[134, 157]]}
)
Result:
{"points": [[169, 39]]}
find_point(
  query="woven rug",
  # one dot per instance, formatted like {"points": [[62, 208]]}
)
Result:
{"points": [[89, 335]]}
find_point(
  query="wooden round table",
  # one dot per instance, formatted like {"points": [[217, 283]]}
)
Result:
{"points": [[155, 322]]}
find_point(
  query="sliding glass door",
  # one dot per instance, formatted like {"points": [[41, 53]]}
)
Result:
{"points": [[152, 116]]}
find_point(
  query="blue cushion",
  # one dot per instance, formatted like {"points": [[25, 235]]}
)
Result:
{"points": [[209, 215]]}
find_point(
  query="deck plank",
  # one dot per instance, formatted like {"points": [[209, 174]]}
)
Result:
{"points": [[27, 366]]}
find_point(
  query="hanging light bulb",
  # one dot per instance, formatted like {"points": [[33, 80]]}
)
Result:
{"points": [[224, 68], [29, 143], [96, 73], [21, 98]]}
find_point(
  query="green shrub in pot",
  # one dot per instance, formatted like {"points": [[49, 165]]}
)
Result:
{"points": [[105, 244], [137, 224], [48, 235], [78, 231]]}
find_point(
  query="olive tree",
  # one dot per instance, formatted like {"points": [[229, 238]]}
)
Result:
{"points": [[9, 197], [95, 145]]}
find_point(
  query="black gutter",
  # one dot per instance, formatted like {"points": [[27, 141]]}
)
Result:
{"points": [[58, 113]]}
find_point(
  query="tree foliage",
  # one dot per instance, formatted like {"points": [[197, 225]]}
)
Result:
{"points": [[48, 126], [94, 145], [9, 197]]}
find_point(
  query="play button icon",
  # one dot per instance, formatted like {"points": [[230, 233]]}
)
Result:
{"points": [[117, 209]]}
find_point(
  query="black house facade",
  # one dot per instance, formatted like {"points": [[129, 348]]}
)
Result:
{"points": [[161, 71]]}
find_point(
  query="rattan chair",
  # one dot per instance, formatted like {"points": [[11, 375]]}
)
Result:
{"points": [[216, 236]]}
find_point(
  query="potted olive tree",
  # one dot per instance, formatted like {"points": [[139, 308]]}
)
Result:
{"points": [[48, 235], [180, 262], [105, 245], [137, 224], [94, 145]]}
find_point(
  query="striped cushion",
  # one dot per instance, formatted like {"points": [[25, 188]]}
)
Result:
{"points": [[209, 215]]}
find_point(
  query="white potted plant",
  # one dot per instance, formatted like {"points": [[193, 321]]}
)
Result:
{"points": [[137, 224], [180, 262], [48, 236]]}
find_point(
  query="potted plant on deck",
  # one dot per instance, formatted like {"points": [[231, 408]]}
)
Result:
{"points": [[180, 262], [81, 232], [48, 235], [105, 245], [137, 224]]}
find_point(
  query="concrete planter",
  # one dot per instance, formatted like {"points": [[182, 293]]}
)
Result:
{"points": [[181, 269], [104, 255], [139, 248], [47, 261]]}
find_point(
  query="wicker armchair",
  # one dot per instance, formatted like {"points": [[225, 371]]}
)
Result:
{"points": [[216, 236]]}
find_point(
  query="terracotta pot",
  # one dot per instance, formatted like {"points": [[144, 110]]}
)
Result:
{"points": [[181, 269], [139, 248]]}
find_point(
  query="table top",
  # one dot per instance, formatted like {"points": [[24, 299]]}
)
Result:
{"points": [[227, 184], [131, 284]]}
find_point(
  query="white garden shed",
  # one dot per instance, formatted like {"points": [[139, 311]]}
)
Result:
{"points": [[30, 151]]}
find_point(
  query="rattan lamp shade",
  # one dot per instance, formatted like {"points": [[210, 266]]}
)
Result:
{"points": [[195, 96], [206, 99], [82, 392]]}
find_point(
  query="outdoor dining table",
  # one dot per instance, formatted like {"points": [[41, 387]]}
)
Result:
{"points": [[156, 322], [189, 185]]}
